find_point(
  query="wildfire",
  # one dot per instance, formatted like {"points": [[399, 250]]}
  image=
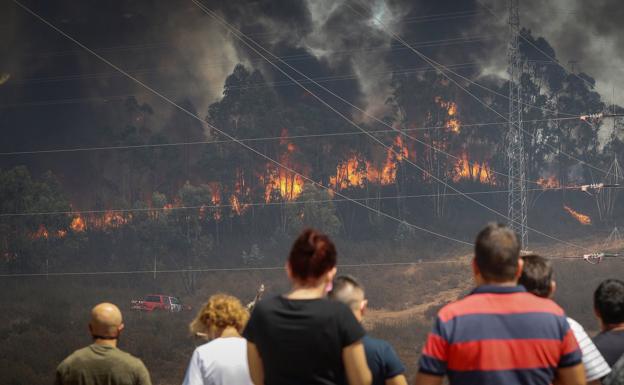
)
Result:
{"points": [[581, 218], [110, 219], [78, 224], [288, 185], [465, 170], [550, 182], [352, 172], [41, 232], [453, 122], [279, 181], [237, 206]]}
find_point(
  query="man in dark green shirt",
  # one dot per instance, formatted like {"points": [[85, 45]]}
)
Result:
{"points": [[102, 363]]}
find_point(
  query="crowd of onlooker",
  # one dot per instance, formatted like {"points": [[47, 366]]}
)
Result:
{"points": [[506, 331]]}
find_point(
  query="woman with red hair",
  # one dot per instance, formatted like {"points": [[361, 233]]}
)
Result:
{"points": [[301, 337]]}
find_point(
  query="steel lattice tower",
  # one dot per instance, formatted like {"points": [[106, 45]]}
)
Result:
{"points": [[517, 198]]}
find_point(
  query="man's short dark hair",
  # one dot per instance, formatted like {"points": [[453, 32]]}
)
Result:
{"points": [[496, 253], [537, 274], [609, 301], [340, 290]]}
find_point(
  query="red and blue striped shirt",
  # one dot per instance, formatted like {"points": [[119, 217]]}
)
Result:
{"points": [[500, 335]]}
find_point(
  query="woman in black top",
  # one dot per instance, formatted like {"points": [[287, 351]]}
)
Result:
{"points": [[301, 337]]}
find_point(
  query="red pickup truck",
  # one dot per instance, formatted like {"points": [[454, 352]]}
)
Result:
{"points": [[159, 302]]}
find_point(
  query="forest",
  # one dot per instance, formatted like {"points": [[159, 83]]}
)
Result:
{"points": [[188, 196]]}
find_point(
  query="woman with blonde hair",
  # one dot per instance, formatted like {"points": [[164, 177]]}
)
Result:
{"points": [[223, 360]]}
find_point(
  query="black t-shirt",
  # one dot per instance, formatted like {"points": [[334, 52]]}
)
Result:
{"points": [[382, 360], [611, 345], [301, 341]]}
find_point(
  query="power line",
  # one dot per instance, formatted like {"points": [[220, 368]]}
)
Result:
{"points": [[247, 269], [240, 35], [443, 70], [297, 57], [539, 49], [187, 112], [152, 45], [269, 138], [282, 203]]}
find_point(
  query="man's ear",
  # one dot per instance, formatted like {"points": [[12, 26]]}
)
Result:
{"points": [[553, 288], [520, 267], [476, 274], [120, 328], [363, 306], [331, 274]]}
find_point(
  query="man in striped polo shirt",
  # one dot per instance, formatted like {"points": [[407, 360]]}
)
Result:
{"points": [[538, 278], [499, 333]]}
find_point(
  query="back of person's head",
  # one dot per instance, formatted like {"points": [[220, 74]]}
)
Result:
{"points": [[221, 311], [347, 290], [312, 255], [609, 301], [106, 321], [537, 275], [496, 253]]}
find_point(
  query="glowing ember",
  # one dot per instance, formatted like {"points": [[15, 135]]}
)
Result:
{"points": [[61, 233], [78, 224], [581, 218], [550, 182]]}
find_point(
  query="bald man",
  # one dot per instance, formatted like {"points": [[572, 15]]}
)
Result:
{"points": [[382, 360], [102, 363]]}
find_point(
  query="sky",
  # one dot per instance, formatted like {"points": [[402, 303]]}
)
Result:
{"points": [[52, 91]]}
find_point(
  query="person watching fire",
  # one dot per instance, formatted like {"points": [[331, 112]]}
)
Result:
{"points": [[223, 360], [302, 337], [538, 278], [102, 362], [383, 362], [499, 333], [609, 308]]}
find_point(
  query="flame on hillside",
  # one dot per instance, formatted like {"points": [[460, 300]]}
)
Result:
{"points": [[355, 171], [548, 183], [452, 123], [581, 218], [474, 171], [43, 233], [78, 224], [278, 181]]}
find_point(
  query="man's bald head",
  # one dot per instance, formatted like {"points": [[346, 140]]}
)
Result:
{"points": [[106, 321], [349, 291]]}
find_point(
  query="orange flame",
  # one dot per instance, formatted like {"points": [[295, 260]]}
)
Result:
{"points": [[550, 182], [78, 224], [286, 184], [355, 172], [452, 123], [581, 218], [465, 170], [42, 232]]}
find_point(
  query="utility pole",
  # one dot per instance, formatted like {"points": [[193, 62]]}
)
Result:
{"points": [[517, 198]]}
